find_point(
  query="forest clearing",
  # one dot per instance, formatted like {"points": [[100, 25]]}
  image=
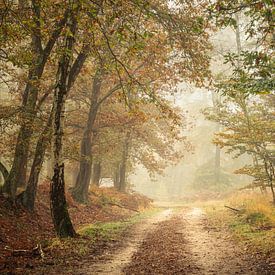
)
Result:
{"points": [[137, 137]]}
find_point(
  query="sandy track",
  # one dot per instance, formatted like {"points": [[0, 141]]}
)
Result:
{"points": [[171, 244], [114, 263], [212, 250], [185, 244]]}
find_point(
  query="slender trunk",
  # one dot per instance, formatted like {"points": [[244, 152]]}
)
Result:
{"points": [[61, 219], [116, 176], [28, 196], [123, 167], [272, 191], [217, 164], [217, 168], [271, 182], [96, 173], [270, 176], [80, 190]]}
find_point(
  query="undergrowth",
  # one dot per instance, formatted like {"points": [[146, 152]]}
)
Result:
{"points": [[253, 221], [99, 232]]}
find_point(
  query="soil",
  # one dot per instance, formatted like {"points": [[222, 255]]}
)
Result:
{"points": [[173, 241], [21, 231], [181, 243]]}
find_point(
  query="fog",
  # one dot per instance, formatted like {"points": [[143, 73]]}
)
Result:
{"points": [[182, 181]]}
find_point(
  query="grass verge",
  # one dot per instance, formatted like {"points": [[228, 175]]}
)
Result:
{"points": [[112, 230], [93, 238], [254, 223]]}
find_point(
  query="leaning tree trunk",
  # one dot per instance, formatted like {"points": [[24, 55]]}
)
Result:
{"points": [[96, 173], [80, 190], [61, 219], [27, 198], [17, 175]]}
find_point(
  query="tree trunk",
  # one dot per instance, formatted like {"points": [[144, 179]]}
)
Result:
{"points": [[17, 175], [116, 176], [61, 219], [80, 190], [4, 171], [96, 173], [216, 99], [123, 167], [28, 196], [217, 164]]}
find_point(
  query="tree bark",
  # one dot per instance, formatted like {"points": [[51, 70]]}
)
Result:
{"points": [[4, 171], [61, 219], [123, 166], [96, 173], [27, 198], [80, 190], [116, 176], [17, 175]]}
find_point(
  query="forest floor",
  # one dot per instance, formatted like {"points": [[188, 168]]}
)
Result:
{"points": [[177, 239], [184, 241], [109, 213]]}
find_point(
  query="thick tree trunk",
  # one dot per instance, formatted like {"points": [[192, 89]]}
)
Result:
{"points": [[80, 190], [96, 173], [17, 175], [27, 198], [61, 219]]}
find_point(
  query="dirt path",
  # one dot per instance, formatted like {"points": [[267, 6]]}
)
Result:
{"points": [[171, 244], [186, 245], [212, 250], [114, 264]]}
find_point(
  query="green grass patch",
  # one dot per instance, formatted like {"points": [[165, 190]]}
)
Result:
{"points": [[91, 234], [111, 230]]}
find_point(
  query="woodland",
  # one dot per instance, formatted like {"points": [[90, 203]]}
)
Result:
{"points": [[85, 96]]}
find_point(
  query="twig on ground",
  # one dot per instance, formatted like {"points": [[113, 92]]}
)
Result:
{"points": [[231, 208]]}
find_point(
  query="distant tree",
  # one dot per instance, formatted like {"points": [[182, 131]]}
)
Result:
{"points": [[253, 69], [248, 128]]}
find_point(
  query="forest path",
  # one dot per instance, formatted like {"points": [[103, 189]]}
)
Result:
{"points": [[114, 262], [177, 243]]}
